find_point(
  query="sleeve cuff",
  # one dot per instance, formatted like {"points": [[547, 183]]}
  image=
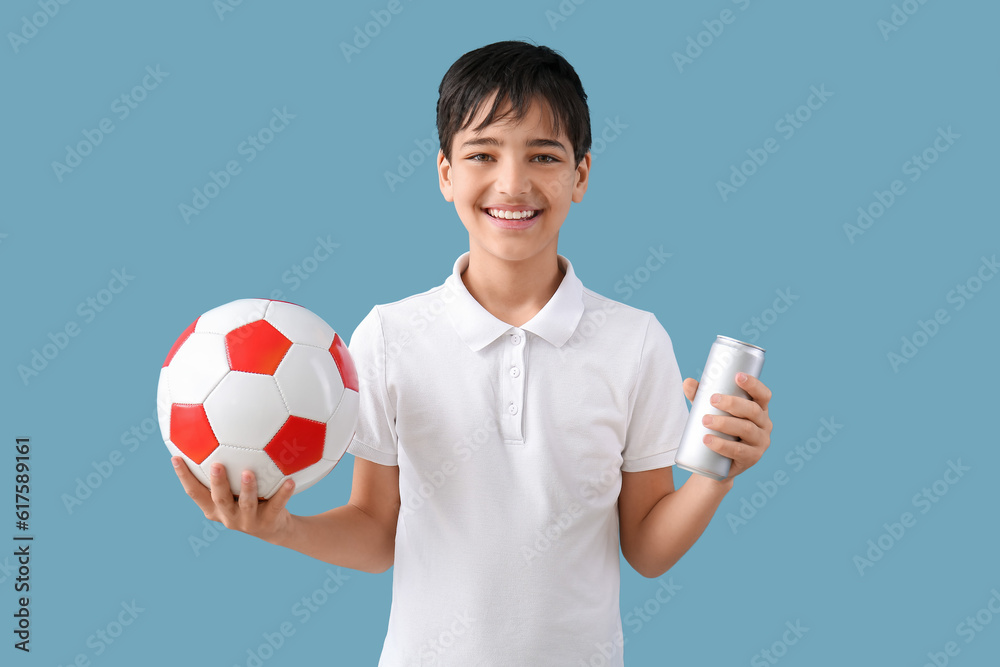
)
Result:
{"points": [[662, 460], [359, 449]]}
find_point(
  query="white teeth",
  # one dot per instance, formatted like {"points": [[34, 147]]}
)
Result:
{"points": [[511, 215]]}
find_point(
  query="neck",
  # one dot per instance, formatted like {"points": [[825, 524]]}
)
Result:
{"points": [[512, 291]]}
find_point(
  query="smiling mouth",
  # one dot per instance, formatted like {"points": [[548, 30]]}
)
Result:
{"points": [[500, 214]]}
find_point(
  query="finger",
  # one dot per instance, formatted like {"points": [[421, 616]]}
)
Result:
{"points": [[248, 492], [222, 493], [743, 454], [738, 427], [738, 406], [197, 491], [758, 390], [690, 387], [277, 502]]}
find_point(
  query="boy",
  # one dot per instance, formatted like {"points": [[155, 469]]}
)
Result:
{"points": [[515, 427]]}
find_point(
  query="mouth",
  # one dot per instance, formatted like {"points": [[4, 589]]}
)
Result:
{"points": [[513, 218]]}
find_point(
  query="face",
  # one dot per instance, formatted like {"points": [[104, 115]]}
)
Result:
{"points": [[512, 184]]}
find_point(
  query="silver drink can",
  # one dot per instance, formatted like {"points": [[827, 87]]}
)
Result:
{"points": [[727, 357]]}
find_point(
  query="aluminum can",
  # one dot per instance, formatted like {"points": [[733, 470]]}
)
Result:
{"points": [[727, 357]]}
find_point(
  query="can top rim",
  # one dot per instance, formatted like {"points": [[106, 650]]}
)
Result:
{"points": [[739, 342]]}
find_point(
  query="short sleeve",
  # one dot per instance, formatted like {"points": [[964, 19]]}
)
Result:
{"points": [[657, 407], [375, 437]]}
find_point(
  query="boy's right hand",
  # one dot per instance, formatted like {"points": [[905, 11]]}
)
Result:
{"points": [[266, 519]]}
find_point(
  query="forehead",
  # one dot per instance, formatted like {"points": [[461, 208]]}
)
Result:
{"points": [[538, 119]]}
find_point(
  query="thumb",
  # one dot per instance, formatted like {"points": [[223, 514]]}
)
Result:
{"points": [[690, 387]]}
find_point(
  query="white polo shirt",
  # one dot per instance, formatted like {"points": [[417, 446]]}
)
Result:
{"points": [[510, 443]]}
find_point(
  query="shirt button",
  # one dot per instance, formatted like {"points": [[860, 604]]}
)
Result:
{"points": [[512, 409], [515, 371], [515, 339]]}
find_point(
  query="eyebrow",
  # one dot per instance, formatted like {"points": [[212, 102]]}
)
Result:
{"points": [[533, 143]]}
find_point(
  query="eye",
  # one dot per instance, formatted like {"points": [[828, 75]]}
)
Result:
{"points": [[548, 159], [475, 157]]}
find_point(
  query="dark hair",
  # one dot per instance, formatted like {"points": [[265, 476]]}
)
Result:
{"points": [[519, 73]]}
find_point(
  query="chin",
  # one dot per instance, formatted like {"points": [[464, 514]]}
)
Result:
{"points": [[513, 250]]}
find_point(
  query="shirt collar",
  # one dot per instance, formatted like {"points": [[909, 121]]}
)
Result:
{"points": [[555, 322]]}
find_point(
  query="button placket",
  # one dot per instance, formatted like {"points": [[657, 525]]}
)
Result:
{"points": [[513, 380]]}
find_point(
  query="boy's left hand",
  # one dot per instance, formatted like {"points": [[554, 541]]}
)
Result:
{"points": [[749, 422]]}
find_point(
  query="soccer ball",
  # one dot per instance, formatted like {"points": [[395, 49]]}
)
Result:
{"points": [[259, 385]]}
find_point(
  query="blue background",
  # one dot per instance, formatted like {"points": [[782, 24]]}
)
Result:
{"points": [[681, 129]]}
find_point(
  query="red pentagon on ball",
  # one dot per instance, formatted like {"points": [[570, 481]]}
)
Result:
{"points": [[190, 431], [297, 444], [348, 373], [256, 348]]}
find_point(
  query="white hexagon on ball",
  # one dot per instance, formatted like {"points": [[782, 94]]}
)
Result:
{"points": [[231, 316], [233, 423], [197, 368], [238, 459], [341, 426], [299, 324], [310, 382]]}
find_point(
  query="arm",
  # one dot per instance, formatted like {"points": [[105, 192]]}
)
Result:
{"points": [[659, 524], [360, 535]]}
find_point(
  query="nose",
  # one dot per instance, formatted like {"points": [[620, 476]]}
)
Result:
{"points": [[512, 178]]}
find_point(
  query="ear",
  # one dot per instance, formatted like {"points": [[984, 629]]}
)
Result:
{"points": [[444, 176], [582, 178]]}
